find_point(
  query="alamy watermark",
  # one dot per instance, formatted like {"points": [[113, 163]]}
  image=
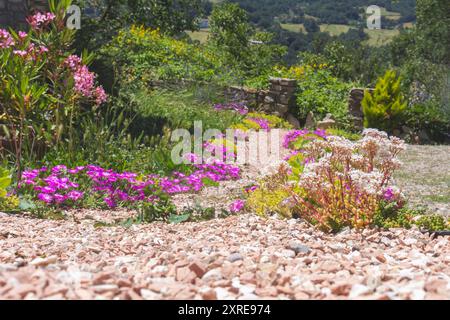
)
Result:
{"points": [[374, 17], [234, 147], [73, 17]]}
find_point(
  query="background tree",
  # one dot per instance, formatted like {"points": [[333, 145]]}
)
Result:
{"points": [[433, 39], [106, 17], [311, 25], [231, 31]]}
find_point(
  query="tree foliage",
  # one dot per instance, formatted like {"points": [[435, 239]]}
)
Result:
{"points": [[108, 16]]}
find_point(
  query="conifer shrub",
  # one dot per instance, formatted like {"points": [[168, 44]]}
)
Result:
{"points": [[384, 108]]}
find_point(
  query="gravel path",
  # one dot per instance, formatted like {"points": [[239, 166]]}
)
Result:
{"points": [[241, 257], [425, 177]]}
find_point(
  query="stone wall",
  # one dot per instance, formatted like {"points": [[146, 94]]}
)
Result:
{"points": [[277, 100]]}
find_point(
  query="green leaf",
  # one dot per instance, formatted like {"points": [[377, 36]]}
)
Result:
{"points": [[26, 205], [176, 219], [5, 182], [209, 182]]}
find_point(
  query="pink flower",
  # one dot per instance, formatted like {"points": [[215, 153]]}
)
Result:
{"points": [[84, 80], [321, 133], [22, 35], [20, 53], [237, 206], [251, 189], [73, 62], [292, 136], [291, 155], [6, 41], [389, 194], [40, 20], [43, 49], [75, 195], [45, 197], [59, 198], [100, 95], [110, 202], [263, 123]]}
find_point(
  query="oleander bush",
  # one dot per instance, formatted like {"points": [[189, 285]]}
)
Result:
{"points": [[44, 88]]}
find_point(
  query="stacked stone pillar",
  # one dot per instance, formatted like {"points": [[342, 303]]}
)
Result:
{"points": [[280, 97]]}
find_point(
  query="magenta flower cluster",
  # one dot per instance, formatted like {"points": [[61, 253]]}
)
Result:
{"points": [[220, 151], [85, 80], [389, 194], [293, 135], [40, 20], [63, 186], [237, 206], [240, 108], [262, 123]]}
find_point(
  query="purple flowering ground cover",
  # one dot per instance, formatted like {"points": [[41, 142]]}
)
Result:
{"points": [[64, 186]]}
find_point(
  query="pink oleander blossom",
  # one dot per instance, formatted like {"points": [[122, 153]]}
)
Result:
{"points": [[40, 20], [84, 81], [100, 95], [6, 40], [73, 62], [22, 35], [20, 53]]}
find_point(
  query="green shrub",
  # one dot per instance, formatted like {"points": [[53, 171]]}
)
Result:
{"points": [[384, 108], [179, 109], [141, 54], [433, 223], [389, 215], [430, 118], [320, 92], [7, 202]]}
